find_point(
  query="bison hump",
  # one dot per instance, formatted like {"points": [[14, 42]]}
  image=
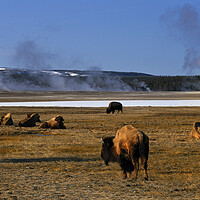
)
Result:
{"points": [[127, 130]]}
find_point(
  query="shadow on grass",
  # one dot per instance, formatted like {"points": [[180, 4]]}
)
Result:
{"points": [[51, 159]]}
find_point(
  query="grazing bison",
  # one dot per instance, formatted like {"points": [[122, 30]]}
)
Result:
{"points": [[6, 120], [125, 148], [30, 121], [195, 130], [114, 106], [54, 123]]}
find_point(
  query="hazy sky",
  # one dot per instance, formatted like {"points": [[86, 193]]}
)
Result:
{"points": [[160, 37]]}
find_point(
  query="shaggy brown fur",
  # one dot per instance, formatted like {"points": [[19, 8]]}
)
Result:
{"points": [[6, 120], [195, 130], [30, 121], [54, 123], [125, 148]]}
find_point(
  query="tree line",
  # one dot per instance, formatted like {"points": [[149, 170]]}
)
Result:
{"points": [[165, 83]]}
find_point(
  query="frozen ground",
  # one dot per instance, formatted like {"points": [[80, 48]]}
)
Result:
{"points": [[99, 99], [126, 103]]}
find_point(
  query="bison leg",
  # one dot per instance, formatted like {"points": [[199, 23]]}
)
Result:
{"points": [[144, 165], [126, 165], [123, 164], [125, 174], [136, 168], [135, 162]]}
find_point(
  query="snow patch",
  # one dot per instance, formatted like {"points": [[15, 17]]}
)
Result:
{"points": [[125, 103]]}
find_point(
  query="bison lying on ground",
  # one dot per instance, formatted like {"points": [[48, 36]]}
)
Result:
{"points": [[54, 123], [30, 121], [195, 130], [125, 148], [114, 106], [6, 120], [29, 115]]}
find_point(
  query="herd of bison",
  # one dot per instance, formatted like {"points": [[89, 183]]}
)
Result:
{"points": [[126, 147]]}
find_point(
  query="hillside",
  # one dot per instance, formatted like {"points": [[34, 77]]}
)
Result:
{"points": [[12, 79]]}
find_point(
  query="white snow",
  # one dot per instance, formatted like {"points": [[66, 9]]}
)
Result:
{"points": [[126, 103], [52, 72], [71, 74]]}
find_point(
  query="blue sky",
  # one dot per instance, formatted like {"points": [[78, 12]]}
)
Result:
{"points": [[117, 35]]}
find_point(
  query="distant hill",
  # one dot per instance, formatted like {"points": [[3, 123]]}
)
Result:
{"points": [[12, 79], [109, 73]]}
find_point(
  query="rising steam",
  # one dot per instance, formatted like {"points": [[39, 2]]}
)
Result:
{"points": [[29, 55], [33, 74], [184, 24], [37, 80]]}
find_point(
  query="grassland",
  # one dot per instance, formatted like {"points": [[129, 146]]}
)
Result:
{"points": [[65, 164]]}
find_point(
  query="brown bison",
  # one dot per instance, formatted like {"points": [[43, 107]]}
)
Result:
{"points": [[54, 123], [30, 121], [125, 148], [114, 106], [6, 120], [29, 115], [195, 130]]}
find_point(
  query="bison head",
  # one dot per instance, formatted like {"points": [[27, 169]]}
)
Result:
{"points": [[108, 111], [59, 119], [106, 152]]}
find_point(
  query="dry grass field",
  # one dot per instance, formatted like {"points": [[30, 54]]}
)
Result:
{"points": [[66, 164]]}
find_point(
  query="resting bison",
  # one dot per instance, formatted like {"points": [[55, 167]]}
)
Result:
{"points": [[54, 123], [30, 121], [6, 120], [125, 148], [195, 130], [29, 115], [114, 106]]}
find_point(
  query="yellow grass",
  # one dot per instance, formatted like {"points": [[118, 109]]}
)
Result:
{"points": [[65, 164]]}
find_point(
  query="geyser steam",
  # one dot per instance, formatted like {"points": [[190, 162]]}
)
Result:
{"points": [[184, 24], [37, 80], [33, 74], [30, 56]]}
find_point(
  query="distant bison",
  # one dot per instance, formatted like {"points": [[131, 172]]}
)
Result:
{"points": [[195, 130], [6, 120], [114, 106], [54, 123], [125, 148], [29, 115], [30, 121]]}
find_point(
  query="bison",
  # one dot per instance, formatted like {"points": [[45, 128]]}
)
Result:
{"points": [[54, 123], [30, 121], [29, 115], [195, 130], [114, 106], [125, 148], [6, 120]]}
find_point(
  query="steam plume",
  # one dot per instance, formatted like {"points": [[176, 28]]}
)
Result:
{"points": [[35, 74], [184, 24], [29, 55]]}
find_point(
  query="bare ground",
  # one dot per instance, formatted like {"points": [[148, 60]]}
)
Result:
{"points": [[65, 164], [96, 95]]}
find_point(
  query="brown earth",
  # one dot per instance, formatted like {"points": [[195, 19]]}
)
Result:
{"points": [[65, 164], [97, 95]]}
